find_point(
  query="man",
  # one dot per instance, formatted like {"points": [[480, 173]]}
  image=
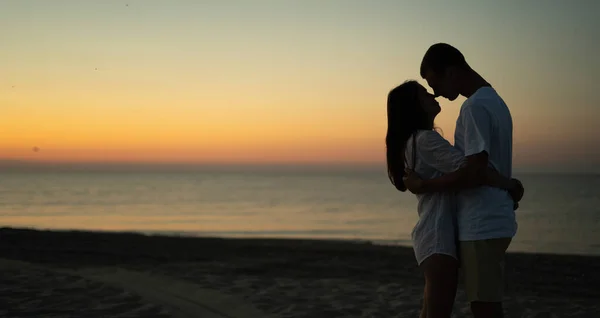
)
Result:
{"points": [[486, 217]]}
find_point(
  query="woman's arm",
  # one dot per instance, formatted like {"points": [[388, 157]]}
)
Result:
{"points": [[436, 152], [459, 172], [457, 180], [514, 187], [463, 178], [473, 174], [460, 179]]}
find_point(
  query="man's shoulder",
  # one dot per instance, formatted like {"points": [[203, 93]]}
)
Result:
{"points": [[481, 98], [473, 102], [475, 107], [489, 101]]}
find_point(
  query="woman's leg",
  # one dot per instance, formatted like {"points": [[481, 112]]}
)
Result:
{"points": [[441, 280], [424, 307]]}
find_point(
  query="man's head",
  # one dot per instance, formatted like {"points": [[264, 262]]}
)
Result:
{"points": [[442, 67]]}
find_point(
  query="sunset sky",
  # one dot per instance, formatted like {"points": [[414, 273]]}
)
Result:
{"points": [[277, 81]]}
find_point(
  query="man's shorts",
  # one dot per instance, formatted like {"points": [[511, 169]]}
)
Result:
{"points": [[482, 263]]}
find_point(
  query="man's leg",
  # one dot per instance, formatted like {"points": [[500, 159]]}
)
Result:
{"points": [[483, 265]]}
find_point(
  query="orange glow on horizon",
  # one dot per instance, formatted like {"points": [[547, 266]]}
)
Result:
{"points": [[96, 81]]}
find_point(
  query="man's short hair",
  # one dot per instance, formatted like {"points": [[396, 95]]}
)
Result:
{"points": [[440, 56]]}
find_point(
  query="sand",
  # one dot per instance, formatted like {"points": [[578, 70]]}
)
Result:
{"points": [[27, 290], [83, 274]]}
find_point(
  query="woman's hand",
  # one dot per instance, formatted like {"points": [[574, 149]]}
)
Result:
{"points": [[412, 181], [516, 192]]}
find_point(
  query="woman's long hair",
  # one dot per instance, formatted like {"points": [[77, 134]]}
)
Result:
{"points": [[405, 117]]}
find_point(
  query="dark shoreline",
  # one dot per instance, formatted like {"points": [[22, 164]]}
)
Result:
{"points": [[31, 233], [93, 248], [543, 278]]}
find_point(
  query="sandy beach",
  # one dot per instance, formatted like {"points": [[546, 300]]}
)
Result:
{"points": [[84, 274]]}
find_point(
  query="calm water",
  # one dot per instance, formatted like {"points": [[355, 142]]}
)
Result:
{"points": [[560, 213]]}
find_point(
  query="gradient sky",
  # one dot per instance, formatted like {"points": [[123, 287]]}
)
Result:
{"points": [[282, 81]]}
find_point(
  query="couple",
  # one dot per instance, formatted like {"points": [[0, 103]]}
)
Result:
{"points": [[465, 192]]}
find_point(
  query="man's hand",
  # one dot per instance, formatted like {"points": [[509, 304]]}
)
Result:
{"points": [[516, 192], [412, 181]]}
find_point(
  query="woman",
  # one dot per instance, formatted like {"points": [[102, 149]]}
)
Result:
{"points": [[413, 143]]}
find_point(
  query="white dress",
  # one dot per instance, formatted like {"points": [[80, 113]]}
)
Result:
{"points": [[436, 230]]}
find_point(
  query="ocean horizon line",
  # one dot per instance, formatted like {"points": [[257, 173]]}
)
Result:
{"points": [[18, 165]]}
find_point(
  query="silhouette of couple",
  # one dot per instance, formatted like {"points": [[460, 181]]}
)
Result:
{"points": [[467, 198]]}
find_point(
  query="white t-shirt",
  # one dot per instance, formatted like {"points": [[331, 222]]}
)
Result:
{"points": [[485, 124]]}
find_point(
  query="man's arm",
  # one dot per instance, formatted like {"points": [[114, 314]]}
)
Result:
{"points": [[472, 174], [477, 124], [465, 178]]}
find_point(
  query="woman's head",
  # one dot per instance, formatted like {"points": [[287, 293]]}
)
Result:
{"points": [[409, 108]]}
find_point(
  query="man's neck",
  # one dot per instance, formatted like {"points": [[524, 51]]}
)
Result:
{"points": [[473, 82]]}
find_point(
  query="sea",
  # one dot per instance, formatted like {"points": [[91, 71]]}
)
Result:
{"points": [[560, 213]]}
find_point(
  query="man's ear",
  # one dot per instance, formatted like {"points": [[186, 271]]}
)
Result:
{"points": [[451, 72]]}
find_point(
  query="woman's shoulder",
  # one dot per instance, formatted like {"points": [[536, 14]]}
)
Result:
{"points": [[428, 136], [431, 140]]}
